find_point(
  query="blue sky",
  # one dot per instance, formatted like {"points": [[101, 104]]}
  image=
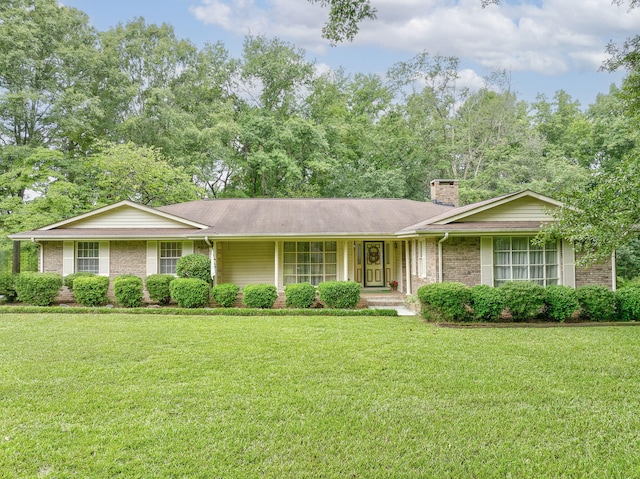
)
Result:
{"points": [[546, 45]]}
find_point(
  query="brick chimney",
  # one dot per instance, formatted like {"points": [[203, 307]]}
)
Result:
{"points": [[445, 192]]}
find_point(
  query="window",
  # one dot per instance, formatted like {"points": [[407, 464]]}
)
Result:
{"points": [[170, 252], [516, 259], [310, 261], [88, 257], [422, 258]]}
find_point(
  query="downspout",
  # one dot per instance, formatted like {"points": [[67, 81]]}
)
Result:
{"points": [[614, 273], [212, 257], [440, 275], [40, 256]]}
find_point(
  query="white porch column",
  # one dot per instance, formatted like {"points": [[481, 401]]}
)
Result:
{"points": [[407, 261], [277, 264], [345, 260]]}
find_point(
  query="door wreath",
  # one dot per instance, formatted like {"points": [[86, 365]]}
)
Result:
{"points": [[373, 255]]}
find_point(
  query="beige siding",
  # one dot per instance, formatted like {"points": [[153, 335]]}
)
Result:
{"points": [[246, 262], [523, 209], [126, 217]]}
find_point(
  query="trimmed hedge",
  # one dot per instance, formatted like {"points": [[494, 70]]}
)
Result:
{"points": [[38, 289], [158, 287], [70, 278], [7, 287], [597, 303], [445, 301], [190, 292], [225, 294], [261, 296], [91, 290], [628, 302], [128, 290], [525, 299], [561, 302], [339, 294], [194, 266], [300, 295], [488, 303]]}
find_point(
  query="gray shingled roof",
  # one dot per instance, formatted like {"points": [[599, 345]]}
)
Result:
{"points": [[302, 216]]}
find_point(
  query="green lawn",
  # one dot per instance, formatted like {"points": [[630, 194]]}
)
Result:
{"points": [[276, 397]]}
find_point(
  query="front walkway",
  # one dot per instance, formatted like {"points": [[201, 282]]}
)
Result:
{"points": [[386, 299]]}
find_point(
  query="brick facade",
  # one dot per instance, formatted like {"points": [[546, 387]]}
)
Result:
{"points": [[461, 260], [599, 273]]}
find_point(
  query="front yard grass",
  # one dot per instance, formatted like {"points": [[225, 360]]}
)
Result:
{"points": [[86, 396]]}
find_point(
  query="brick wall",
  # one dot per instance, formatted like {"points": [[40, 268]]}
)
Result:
{"points": [[599, 273], [127, 257], [52, 255], [461, 260]]}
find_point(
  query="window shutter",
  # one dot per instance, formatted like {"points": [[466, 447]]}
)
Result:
{"points": [[68, 257], [568, 264], [187, 248], [103, 255], [152, 257], [486, 260]]}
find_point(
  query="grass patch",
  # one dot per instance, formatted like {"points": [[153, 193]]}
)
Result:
{"points": [[123, 395]]}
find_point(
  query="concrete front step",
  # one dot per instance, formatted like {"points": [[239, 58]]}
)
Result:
{"points": [[384, 301]]}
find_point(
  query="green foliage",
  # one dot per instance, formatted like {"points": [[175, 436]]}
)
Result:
{"points": [[7, 287], [597, 303], [339, 294], [225, 294], [128, 290], [194, 266], [70, 278], [447, 301], [190, 292], [628, 303], [39, 289], [91, 290], [300, 295], [561, 302], [487, 302], [524, 299], [259, 295], [158, 287]]}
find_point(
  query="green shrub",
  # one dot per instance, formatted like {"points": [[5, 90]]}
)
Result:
{"points": [[38, 289], [91, 290], [300, 295], [628, 302], [339, 294], [70, 278], [487, 302], [524, 299], [158, 287], [7, 287], [561, 302], [225, 294], [128, 291], [259, 295], [194, 266], [447, 301], [190, 292], [597, 303]]}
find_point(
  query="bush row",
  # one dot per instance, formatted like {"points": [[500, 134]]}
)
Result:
{"points": [[90, 290], [522, 301]]}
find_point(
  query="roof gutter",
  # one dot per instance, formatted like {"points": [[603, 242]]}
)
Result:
{"points": [[444, 238]]}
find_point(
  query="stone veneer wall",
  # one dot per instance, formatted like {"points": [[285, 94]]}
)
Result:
{"points": [[461, 260]]}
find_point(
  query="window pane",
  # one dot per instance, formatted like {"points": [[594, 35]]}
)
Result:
{"points": [[536, 257], [304, 257], [290, 258], [520, 272], [289, 247], [552, 272], [521, 244], [289, 269], [316, 269], [303, 247], [502, 244], [520, 257], [551, 257], [502, 258], [330, 258], [317, 258], [316, 246], [330, 269], [502, 273], [537, 272], [330, 246]]}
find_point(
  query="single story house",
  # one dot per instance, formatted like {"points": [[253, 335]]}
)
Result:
{"points": [[376, 242]]}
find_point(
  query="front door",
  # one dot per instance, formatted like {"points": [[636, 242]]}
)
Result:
{"points": [[374, 263]]}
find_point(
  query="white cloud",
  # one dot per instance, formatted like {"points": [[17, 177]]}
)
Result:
{"points": [[543, 36]]}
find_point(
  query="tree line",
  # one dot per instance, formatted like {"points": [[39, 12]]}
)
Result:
{"points": [[88, 118]]}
